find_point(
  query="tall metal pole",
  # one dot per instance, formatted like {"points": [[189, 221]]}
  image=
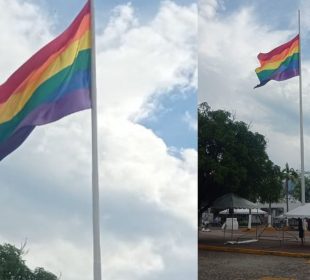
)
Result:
{"points": [[95, 177], [301, 122]]}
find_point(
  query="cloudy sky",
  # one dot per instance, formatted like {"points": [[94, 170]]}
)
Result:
{"points": [[147, 95], [231, 34]]}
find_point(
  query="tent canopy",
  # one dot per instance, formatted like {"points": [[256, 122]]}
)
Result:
{"points": [[299, 212], [245, 211], [231, 200]]}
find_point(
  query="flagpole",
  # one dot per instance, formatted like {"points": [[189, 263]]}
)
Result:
{"points": [[95, 177], [301, 121]]}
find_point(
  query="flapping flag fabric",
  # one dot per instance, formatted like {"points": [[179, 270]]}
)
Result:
{"points": [[280, 64], [53, 83]]}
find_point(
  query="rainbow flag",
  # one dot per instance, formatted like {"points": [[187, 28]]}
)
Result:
{"points": [[53, 83], [280, 64]]}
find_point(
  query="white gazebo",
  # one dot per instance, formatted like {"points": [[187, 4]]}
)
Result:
{"points": [[299, 212]]}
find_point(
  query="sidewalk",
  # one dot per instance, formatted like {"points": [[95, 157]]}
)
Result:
{"points": [[270, 242]]}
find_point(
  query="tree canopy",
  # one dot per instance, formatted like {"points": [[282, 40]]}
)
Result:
{"points": [[231, 158], [12, 266]]}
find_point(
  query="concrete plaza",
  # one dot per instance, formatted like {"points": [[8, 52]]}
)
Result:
{"points": [[259, 253]]}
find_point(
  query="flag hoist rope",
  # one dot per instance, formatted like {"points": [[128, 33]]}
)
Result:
{"points": [[302, 167], [95, 178]]}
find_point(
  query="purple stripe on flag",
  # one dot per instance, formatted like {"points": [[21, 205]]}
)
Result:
{"points": [[287, 74], [76, 101], [49, 112]]}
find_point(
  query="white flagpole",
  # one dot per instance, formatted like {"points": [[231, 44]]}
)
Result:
{"points": [[301, 122], [95, 177]]}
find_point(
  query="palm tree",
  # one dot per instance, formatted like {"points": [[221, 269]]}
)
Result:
{"points": [[289, 174]]}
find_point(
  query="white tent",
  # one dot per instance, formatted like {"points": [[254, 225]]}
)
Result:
{"points": [[244, 211], [299, 212]]}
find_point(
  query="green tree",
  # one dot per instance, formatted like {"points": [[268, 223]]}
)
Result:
{"points": [[13, 267], [289, 174], [41, 274], [231, 158], [271, 187]]}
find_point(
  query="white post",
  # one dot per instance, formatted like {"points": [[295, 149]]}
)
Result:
{"points": [[269, 220], [303, 198], [250, 219], [269, 215], [95, 177]]}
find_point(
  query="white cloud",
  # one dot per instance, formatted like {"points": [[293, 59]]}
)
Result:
{"points": [[208, 8], [21, 38], [158, 53], [61, 257], [122, 21], [136, 63], [304, 17], [190, 121], [168, 60], [132, 260]]}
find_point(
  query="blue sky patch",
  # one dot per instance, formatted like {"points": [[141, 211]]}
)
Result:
{"points": [[170, 123]]}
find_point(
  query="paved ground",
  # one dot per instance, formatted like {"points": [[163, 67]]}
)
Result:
{"points": [[269, 240], [236, 266]]}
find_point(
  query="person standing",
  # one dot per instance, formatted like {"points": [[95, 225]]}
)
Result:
{"points": [[301, 230]]}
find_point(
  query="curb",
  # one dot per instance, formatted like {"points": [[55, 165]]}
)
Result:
{"points": [[252, 251]]}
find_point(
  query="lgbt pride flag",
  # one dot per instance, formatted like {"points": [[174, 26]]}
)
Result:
{"points": [[279, 64], [53, 83]]}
